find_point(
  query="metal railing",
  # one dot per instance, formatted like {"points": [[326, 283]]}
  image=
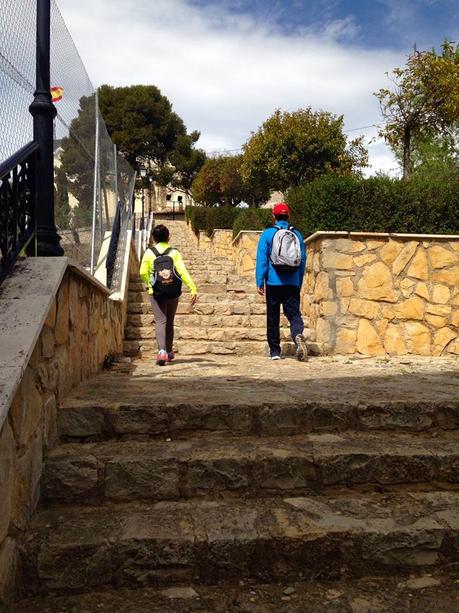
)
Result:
{"points": [[124, 221], [80, 175], [17, 205], [113, 246]]}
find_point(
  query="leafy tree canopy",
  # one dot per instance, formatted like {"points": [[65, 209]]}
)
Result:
{"points": [[220, 181], [146, 130], [293, 148], [77, 160], [424, 100]]}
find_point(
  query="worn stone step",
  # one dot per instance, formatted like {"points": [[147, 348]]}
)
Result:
{"points": [[204, 306], [211, 330], [220, 308], [236, 327], [205, 267], [145, 322], [190, 409], [229, 296], [78, 548], [422, 592], [136, 286], [224, 334], [198, 346], [248, 466]]}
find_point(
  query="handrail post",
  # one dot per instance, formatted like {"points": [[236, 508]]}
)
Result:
{"points": [[44, 112]]}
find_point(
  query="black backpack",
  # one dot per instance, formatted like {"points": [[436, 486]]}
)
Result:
{"points": [[164, 280]]}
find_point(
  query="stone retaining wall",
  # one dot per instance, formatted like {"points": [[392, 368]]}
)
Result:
{"points": [[370, 294], [245, 253], [378, 294], [82, 328], [222, 243], [242, 249]]}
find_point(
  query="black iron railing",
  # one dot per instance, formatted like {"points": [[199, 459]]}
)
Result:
{"points": [[113, 245], [17, 205]]}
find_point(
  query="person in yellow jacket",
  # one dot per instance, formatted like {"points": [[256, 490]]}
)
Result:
{"points": [[164, 308]]}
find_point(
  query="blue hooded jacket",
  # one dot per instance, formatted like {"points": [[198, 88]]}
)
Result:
{"points": [[265, 272]]}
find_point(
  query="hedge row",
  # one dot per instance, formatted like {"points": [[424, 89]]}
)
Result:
{"points": [[381, 204], [377, 205], [208, 219]]}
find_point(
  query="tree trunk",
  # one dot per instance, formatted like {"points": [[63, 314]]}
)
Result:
{"points": [[407, 169]]}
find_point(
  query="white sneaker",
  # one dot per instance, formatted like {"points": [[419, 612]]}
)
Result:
{"points": [[275, 356], [301, 348]]}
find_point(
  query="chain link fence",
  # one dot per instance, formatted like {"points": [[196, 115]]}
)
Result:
{"points": [[90, 177]]}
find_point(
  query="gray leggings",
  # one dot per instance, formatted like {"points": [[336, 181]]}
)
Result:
{"points": [[164, 311]]}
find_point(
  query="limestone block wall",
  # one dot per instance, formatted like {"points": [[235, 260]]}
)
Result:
{"points": [[245, 252], [222, 243], [78, 329], [242, 249], [380, 294], [219, 243]]}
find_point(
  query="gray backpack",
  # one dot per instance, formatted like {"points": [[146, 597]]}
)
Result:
{"points": [[285, 250]]}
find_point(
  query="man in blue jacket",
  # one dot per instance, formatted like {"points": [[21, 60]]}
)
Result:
{"points": [[281, 288]]}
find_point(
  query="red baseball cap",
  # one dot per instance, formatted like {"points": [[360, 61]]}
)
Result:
{"points": [[281, 209]]}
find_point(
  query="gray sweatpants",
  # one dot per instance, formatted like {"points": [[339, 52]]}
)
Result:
{"points": [[164, 312]]}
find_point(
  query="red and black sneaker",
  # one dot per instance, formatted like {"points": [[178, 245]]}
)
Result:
{"points": [[170, 356], [162, 358]]}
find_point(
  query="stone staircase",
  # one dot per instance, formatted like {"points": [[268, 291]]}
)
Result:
{"points": [[229, 317], [238, 484]]}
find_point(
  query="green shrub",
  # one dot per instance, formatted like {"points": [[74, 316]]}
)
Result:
{"points": [[208, 219], [252, 219], [377, 204]]}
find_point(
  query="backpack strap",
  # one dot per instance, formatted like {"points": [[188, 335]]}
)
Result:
{"points": [[155, 251], [167, 251]]}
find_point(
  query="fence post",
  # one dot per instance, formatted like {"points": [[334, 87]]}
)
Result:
{"points": [[44, 112], [96, 185]]}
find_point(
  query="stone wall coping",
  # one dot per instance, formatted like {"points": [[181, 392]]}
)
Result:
{"points": [[372, 235], [25, 299], [238, 236], [321, 234], [220, 230]]}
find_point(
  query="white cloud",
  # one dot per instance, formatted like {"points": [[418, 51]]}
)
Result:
{"points": [[225, 73]]}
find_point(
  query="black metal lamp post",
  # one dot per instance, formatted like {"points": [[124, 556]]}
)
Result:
{"points": [[43, 112]]}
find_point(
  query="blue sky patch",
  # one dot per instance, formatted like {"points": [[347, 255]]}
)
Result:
{"points": [[393, 24]]}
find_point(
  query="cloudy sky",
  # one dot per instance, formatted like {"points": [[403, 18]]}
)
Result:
{"points": [[227, 65]]}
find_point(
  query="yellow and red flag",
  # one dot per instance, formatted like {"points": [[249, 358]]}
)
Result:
{"points": [[57, 93]]}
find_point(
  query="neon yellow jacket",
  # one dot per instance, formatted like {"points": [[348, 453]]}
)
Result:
{"points": [[146, 267]]}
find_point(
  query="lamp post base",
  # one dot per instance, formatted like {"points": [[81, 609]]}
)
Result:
{"points": [[48, 244]]}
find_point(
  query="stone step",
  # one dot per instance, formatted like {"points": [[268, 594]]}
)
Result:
{"points": [[229, 299], [204, 267], [420, 593], [207, 284], [207, 293], [230, 296], [210, 333], [145, 322], [246, 467], [81, 548], [142, 409], [205, 288], [194, 347], [220, 308]]}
